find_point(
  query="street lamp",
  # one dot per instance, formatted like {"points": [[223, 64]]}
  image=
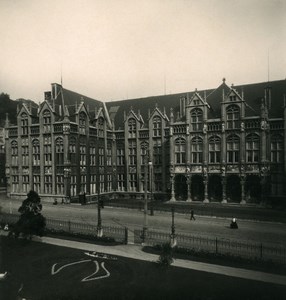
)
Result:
{"points": [[173, 233], [145, 225]]}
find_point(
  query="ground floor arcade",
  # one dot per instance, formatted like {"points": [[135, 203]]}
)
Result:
{"points": [[217, 188]]}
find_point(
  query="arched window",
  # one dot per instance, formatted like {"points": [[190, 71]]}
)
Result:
{"points": [[157, 126], [214, 149], [196, 119], [277, 148], [252, 148], [232, 117], [232, 149], [131, 128], [197, 150], [180, 151]]}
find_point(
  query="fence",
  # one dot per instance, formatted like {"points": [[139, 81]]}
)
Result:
{"points": [[243, 249], [117, 233]]}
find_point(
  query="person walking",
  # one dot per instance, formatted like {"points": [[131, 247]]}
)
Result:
{"points": [[192, 215]]}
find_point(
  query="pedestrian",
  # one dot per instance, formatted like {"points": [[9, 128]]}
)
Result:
{"points": [[192, 215]]}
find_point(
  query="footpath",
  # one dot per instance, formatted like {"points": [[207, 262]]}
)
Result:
{"points": [[135, 252]]}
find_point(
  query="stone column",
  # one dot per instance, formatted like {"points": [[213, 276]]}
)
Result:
{"points": [[206, 195], [223, 189], [242, 183]]}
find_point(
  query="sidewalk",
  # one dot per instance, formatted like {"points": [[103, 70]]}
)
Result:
{"points": [[135, 252]]}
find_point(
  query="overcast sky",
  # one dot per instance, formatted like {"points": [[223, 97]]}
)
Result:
{"points": [[112, 49]]}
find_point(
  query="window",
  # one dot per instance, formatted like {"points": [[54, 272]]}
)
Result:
{"points": [[232, 117], [132, 153], [252, 148], [133, 182], [120, 182], [25, 152], [101, 156], [47, 151], [72, 150], [157, 152], [24, 124], [131, 128], [48, 184], [100, 127], [196, 119], [59, 151], [197, 150], [37, 183], [47, 121], [82, 152], [14, 153], [214, 149], [82, 123], [120, 154], [83, 183], [144, 147], [157, 126], [60, 184], [180, 151], [108, 154], [277, 149], [101, 183], [25, 183], [109, 182], [15, 183], [73, 185], [36, 152], [92, 154], [93, 184], [232, 149]]}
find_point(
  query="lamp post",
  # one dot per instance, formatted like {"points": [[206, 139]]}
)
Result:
{"points": [[173, 233], [99, 220], [151, 188]]}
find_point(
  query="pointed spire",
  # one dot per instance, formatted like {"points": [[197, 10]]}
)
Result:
{"points": [[171, 115]]}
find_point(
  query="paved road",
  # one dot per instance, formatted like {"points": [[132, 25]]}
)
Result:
{"points": [[261, 232]]}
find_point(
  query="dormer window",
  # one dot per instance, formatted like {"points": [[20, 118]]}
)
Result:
{"points": [[232, 98], [232, 116], [24, 123], [157, 125], [100, 126], [196, 119], [196, 102], [47, 121], [82, 123], [131, 128]]}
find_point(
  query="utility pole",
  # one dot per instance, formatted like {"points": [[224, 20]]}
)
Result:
{"points": [[145, 225]]}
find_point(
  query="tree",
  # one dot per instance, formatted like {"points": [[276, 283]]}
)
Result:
{"points": [[31, 221]]}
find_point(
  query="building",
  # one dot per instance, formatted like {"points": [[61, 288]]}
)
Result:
{"points": [[2, 161], [219, 145]]}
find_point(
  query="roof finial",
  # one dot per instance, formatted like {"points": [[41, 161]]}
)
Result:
{"points": [[223, 80]]}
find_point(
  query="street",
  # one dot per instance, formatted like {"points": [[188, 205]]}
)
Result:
{"points": [[252, 231]]}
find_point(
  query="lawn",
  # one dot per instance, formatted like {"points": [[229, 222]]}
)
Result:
{"points": [[30, 265]]}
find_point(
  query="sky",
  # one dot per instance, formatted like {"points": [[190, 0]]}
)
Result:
{"points": [[120, 49]]}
